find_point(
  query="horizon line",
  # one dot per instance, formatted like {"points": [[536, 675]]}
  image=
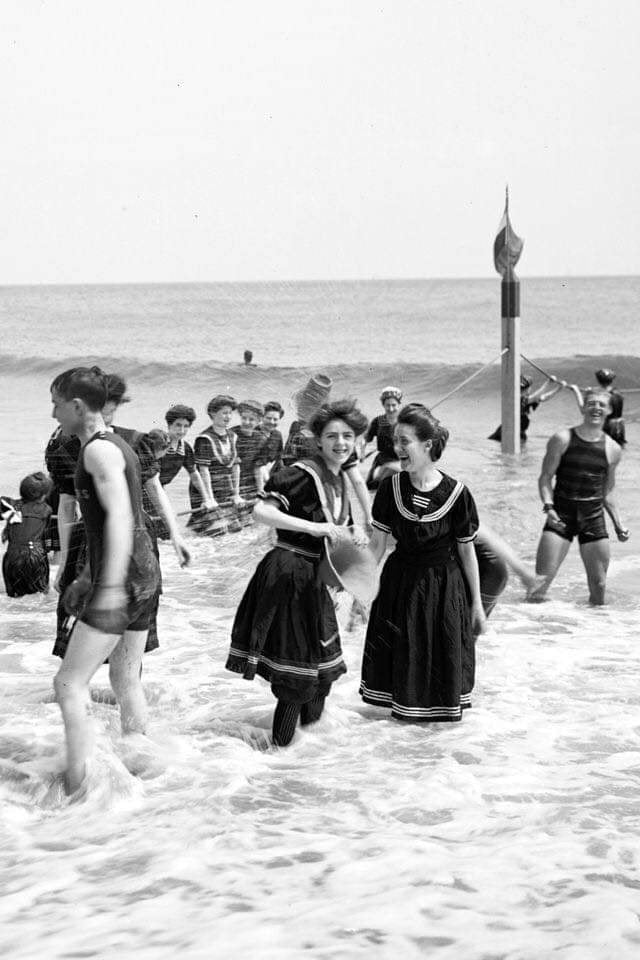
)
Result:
{"points": [[323, 280]]}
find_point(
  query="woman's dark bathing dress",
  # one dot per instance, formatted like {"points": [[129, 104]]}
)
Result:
{"points": [[382, 432], [419, 655], [285, 628]]}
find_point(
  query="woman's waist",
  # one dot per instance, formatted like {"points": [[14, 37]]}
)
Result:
{"points": [[445, 555], [308, 547]]}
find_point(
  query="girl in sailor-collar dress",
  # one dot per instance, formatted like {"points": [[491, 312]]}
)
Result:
{"points": [[285, 629], [419, 657]]}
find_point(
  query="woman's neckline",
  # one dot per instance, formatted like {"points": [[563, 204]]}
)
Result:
{"points": [[428, 489]]}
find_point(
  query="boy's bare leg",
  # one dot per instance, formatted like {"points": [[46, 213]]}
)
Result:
{"points": [[595, 557], [87, 649], [125, 678], [552, 550]]}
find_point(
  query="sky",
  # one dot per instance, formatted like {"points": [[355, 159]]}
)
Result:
{"points": [[285, 139]]}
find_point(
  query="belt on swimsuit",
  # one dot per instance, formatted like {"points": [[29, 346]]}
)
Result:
{"points": [[300, 551]]}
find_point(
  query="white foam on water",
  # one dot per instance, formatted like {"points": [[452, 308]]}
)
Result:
{"points": [[510, 834]]}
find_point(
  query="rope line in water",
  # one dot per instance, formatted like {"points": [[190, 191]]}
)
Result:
{"points": [[547, 375], [468, 380]]}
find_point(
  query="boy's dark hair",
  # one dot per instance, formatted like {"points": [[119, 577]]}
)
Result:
{"points": [[180, 411], [338, 410], [160, 439], [274, 405], [86, 383], [34, 486]]}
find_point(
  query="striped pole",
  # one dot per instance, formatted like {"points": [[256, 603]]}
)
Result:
{"points": [[510, 362]]}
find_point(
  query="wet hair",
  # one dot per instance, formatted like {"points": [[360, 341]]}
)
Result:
{"points": [[160, 439], [597, 392], [274, 405], [180, 411], [116, 389], [219, 401], [605, 377], [338, 410], [84, 383], [35, 485], [426, 426]]}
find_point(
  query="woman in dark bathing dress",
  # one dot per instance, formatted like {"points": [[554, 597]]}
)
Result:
{"points": [[285, 628], [419, 657]]}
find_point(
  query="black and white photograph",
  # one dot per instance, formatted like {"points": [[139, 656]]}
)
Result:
{"points": [[319, 459]]}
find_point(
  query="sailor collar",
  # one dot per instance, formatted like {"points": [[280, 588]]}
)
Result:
{"points": [[408, 514]]}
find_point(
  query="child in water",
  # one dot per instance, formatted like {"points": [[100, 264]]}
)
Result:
{"points": [[25, 565], [285, 628]]}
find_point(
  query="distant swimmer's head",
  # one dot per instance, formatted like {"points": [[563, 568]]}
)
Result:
{"points": [[419, 437], [220, 409], [179, 419], [605, 377], [312, 396], [75, 393], [248, 357], [273, 414], [35, 486], [390, 399], [251, 413], [525, 382]]}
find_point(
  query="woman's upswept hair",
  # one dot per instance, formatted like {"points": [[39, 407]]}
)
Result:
{"points": [[339, 410], [116, 389], [426, 426], [219, 401], [84, 383], [180, 411]]}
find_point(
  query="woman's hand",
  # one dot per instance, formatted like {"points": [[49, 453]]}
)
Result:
{"points": [[623, 534], [332, 531], [182, 551], [360, 536], [478, 619]]}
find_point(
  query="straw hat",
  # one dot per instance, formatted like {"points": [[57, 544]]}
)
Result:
{"points": [[312, 396], [352, 568]]}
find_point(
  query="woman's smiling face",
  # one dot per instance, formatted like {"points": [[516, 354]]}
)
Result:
{"points": [[336, 442], [414, 454], [391, 407]]}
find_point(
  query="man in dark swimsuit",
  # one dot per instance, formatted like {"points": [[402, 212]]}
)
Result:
{"points": [[582, 461], [123, 568]]}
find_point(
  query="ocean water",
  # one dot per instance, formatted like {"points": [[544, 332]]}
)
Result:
{"points": [[513, 834]]}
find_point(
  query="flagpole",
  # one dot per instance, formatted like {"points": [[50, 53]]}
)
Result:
{"points": [[510, 389]]}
